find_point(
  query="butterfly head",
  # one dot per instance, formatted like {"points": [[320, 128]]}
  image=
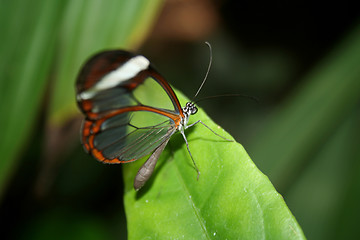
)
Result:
{"points": [[190, 108]]}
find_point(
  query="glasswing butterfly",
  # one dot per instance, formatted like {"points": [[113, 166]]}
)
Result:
{"points": [[112, 91]]}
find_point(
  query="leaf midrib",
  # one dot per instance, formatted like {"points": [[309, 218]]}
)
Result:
{"points": [[191, 202]]}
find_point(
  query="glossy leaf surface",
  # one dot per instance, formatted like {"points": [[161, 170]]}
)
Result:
{"points": [[231, 200]]}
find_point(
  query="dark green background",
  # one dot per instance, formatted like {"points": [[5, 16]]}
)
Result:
{"points": [[301, 60]]}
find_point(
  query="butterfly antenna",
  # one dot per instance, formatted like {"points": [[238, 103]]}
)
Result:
{"points": [[228, 95], [208, 70]]}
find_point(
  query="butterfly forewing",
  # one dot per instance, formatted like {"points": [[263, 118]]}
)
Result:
{"points": [[151, 91], [121, 125]]}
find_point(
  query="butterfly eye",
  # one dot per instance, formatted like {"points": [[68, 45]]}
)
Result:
{"points": [[193, 110]]}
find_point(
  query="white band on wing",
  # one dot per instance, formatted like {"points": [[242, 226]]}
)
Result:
{"points": [[125, 72]]}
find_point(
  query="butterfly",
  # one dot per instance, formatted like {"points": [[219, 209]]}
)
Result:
{"points": [[113, 89]]}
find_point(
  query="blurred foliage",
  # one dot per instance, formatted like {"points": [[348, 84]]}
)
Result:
{"points": [[325, 99], [57, 224], [43, 45], [87, 28], [311, 142], [25, 67], [299, 60], [59, 36]]}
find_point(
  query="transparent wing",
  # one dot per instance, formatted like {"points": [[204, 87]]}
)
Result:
{"points": [[124, 137], [130, 109], [105, 85]]}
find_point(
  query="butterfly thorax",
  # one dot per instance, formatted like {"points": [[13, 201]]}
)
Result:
{"points": [[189, 109]]}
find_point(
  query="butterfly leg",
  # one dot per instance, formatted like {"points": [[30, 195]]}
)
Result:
{"points": [[199, 121], [187, 145]]}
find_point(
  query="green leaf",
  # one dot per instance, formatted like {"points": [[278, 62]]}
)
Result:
{"points": [[231, 200]]}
